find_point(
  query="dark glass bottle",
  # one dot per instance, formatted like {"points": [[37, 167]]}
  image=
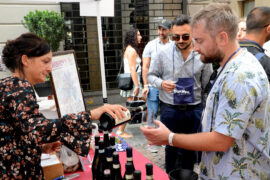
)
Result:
{"points": [[130, 157], [106, 139], [109, 158], [95, 159], [112, 143], [116, 171], [149, 171], [137, 175], [101, 162], [107, 174], [129, 172], [107, 122]]}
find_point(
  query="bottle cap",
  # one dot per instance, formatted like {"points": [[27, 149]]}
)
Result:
{"points": [[97, 138], [129, 168], [115, 158], [149, 168], [129, 151], [108, 151], [137, 174], [112, 140], [101, 144]]}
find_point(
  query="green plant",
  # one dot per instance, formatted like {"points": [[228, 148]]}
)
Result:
{"points": [[48, 25]]}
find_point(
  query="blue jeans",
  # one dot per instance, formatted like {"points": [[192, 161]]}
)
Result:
{"points": [[180, 121], [153, 101]]}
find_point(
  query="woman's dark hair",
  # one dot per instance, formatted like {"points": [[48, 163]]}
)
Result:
{"points": [[131, 39], [27, 44]]}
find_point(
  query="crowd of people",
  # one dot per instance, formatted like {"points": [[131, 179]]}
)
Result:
{"points": [[216, 117]]}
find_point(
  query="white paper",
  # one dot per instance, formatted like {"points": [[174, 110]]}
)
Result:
{"points": [[45, 156], [67, 84], [49, 161], [106, 8]]}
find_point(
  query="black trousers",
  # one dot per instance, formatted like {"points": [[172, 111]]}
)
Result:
{"points": [[181, 119]]}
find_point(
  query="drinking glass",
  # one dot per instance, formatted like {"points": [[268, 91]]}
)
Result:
{"points": [[149, 120]]}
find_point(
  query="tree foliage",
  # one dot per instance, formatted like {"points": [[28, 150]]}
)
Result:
{"points": [[49, 25]]}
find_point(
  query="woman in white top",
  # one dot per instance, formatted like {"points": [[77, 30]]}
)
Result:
{"points": [[132, 64]]}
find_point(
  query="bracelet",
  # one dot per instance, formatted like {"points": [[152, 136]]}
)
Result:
{"points": [[170, 139], [136, 87], [146, 85]]}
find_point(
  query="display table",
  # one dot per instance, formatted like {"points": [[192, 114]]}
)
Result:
{"points": [[47, 107], [139, 163]]}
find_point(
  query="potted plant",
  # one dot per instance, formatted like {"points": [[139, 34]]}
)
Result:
{"points": [[51, 26]]}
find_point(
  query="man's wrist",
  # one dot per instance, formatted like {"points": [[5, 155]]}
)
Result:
{"points": [[170, 138]]}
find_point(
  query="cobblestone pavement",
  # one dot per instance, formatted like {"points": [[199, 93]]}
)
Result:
{"points": [[140, 144]]}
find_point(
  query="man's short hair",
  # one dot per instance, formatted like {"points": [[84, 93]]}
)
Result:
{"points": [[181, 20], [218, 17], [258, 18]]}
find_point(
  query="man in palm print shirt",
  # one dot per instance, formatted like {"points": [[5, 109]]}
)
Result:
{"points": [[236, 121]]}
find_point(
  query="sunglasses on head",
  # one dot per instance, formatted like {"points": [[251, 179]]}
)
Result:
{"points": [[177, 37]]}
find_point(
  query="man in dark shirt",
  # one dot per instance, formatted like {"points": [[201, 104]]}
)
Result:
{"points": [[258, 32]]}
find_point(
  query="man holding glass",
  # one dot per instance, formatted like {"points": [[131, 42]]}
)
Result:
{"points": [[181, 77], [235, 139]]}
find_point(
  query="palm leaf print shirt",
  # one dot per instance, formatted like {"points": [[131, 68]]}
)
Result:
{"points": [[238, 106]]}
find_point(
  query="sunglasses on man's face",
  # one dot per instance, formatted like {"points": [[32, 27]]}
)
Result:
{"points": [[177, 37]]}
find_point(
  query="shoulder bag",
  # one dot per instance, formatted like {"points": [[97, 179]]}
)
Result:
{"points": [[124, 79]]}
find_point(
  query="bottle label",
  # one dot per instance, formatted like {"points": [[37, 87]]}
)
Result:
{"points": [[129, 159], [110, 159], [116, 166], [127, 176], [149, 177], [126, 118], [101, 151]]}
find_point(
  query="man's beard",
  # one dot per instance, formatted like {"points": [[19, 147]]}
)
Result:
{"points": [[267, 38], [163, 37], [185, 47], [217, 57]]}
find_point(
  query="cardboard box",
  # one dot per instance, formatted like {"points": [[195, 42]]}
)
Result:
{"points": [[52, 166]]}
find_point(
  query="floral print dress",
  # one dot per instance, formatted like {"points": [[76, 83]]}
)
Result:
{"points": [[24, 129], [238, 107]]}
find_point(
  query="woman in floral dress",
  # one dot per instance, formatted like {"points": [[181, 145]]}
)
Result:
{"points": [[24, 130]]}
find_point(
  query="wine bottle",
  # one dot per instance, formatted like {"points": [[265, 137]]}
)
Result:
{"points": [[109, 158], [130, 157], [137, 175], [112, 143], [95, 159], [149, 171], [106, 139], [101, 161], [107, 122], [116, 172], [129, 172], [107, 174]]}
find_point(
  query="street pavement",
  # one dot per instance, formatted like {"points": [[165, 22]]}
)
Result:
{"points": [[156, 154]]}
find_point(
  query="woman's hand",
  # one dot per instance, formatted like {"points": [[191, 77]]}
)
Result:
{"points": [[114, 110], [50, 148], [145, 91], [136, 91]]}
